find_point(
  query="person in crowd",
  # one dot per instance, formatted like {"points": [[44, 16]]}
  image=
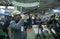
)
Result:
{"points": [[57, 29], [2, 33], [53, 23], [29, 21], [33, 20], [16, 25], [24, 17], [7, 20], [44, 23], [36, 20]]}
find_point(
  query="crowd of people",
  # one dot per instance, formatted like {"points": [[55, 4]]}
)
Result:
{"points": [[18, 25]]}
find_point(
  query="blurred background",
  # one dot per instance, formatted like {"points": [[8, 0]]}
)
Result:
{"points": [[41, 18]]}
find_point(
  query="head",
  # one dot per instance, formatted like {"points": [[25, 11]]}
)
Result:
{"points": [[16, 15]]}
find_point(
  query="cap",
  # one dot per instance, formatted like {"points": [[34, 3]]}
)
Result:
{"points": [[16, 12]]}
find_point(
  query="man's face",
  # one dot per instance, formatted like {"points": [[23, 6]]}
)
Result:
{"points": [[17, 17]]}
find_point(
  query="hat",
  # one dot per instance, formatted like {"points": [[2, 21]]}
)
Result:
{"points": [[16, 12]]}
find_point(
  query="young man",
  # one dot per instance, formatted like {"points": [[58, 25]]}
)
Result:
{"points": [[16, 24]]}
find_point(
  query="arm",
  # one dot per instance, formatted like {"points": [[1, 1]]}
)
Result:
{"points": [[16, 25]]}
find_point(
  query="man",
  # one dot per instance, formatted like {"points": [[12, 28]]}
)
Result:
{"points": [[16, 24]]}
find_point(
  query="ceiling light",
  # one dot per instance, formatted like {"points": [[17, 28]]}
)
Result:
{"points": [[56, 10], [10, 7], [2, 6]]}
